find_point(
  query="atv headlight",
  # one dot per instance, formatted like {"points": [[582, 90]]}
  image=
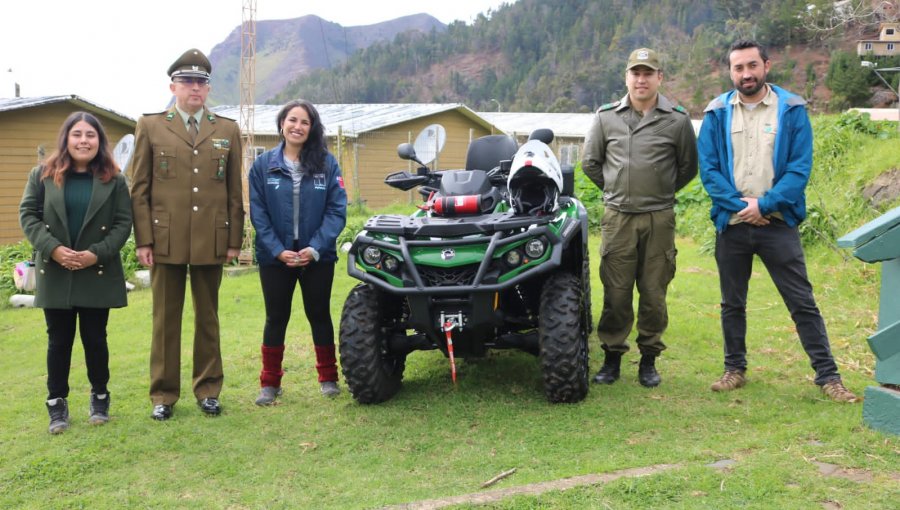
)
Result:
{"points": [[391, 263], [371, 255], [513, 258], [535, 248]]}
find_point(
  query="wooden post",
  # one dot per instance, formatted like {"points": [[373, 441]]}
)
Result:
{"points": [[879, 241], [409, 168], [357, 193]]}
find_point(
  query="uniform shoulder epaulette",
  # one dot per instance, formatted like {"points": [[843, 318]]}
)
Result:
{"points": [[680, 108], [218, 116], [609, 106]]}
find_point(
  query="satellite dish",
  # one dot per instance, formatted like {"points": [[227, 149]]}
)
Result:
{"points": [[123, 150], [430, 142]]}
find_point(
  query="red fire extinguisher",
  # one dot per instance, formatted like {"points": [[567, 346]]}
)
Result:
{"points": [[452, 206]]}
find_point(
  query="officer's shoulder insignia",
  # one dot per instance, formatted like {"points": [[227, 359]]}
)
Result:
{"points": [[210, 117], [170, 115], [224, 117], [609, 106], [681, 109]]}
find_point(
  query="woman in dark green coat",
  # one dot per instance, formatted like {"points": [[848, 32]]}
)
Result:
{"points": [[76, 212]]}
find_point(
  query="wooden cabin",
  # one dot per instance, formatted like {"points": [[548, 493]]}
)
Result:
{"points": [[364, 138]]}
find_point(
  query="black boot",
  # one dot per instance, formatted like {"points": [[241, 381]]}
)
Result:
{"points": [[647, 374], [609, 372]]}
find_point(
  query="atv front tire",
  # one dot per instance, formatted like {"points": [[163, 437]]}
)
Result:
{"points": [[372, 373], [563, 342]]}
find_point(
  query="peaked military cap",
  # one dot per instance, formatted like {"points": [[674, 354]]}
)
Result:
{"points": [[191, 63], [643, 57]]}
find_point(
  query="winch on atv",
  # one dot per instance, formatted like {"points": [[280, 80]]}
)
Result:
{"points": [[495, 258]]}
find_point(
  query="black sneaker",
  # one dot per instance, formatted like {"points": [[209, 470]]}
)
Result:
{"points": [[99, 412], [59, 415]]}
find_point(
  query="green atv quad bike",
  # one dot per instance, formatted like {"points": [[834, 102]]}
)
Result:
{"points": [[496, 258]]}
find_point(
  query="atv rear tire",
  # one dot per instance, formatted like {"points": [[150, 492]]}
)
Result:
{"points": [[564, 351], [372, 373]]}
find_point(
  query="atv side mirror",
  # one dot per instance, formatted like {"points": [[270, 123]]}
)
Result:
{"points": [[545, 135], [406, 151]]}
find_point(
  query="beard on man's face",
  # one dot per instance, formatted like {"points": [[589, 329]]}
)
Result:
{"points": [[750, 86]]}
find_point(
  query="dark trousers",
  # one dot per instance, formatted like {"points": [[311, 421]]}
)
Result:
{"points": [[61, 338], [168, 282], [278, 283], [778, 246], [636, 249]]}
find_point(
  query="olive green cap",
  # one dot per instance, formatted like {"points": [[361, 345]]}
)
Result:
{"points": [[643, 57], [191, 63]]}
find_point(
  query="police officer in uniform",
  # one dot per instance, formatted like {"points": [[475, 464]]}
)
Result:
{"points": [[639, 150], [188, 218]]}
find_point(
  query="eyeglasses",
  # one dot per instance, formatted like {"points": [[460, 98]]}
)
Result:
{"points": [[191, 81]]}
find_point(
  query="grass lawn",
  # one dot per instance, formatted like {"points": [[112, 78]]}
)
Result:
{"points": [[436, 440]]}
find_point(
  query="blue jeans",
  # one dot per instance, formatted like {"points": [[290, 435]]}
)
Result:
{"points": [[778, 246]]}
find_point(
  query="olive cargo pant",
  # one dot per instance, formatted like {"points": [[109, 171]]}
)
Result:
{"points": [[636, 248]]}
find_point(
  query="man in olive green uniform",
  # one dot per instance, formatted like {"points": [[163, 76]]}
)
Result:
{"points": [[640, 150], [188, 217]]}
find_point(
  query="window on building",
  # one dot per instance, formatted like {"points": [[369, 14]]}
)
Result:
{"points": [[568, 154], [890, 46], [888, 31], [258, 151], [868, 46]]}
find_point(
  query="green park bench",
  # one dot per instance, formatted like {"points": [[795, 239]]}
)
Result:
{"points": [[879, 241]]}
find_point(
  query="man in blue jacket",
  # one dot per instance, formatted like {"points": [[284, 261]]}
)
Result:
{"points": [[755, 149]]}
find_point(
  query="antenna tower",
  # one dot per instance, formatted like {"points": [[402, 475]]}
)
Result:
{"points": [[247, 94]]}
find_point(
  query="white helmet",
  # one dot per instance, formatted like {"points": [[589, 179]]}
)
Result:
{"points": [[535, 179]]}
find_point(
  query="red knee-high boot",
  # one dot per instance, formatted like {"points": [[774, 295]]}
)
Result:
{"points": [[271, 372], [326, 364]]}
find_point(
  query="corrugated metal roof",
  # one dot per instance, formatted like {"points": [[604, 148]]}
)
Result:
{"points": [[564, 125], [17, 103], [354, 119]]}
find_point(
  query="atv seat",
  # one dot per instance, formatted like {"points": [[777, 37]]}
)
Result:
{"points": [[487, 152]]}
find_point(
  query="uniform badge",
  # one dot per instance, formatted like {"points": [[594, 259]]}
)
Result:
{"points": [[221, 143], [319, 181], [170, 116], [220, 173], [340, 181]]}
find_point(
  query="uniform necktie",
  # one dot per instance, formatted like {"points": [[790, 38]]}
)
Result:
{"points": [[192, 129]]}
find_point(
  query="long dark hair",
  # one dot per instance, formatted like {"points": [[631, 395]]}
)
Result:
{"points": [[312, 156], [103, 165]]}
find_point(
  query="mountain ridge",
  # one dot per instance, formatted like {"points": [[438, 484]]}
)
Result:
{"points": [[287, 49]]}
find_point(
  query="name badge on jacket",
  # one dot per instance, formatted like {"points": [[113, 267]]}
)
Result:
{"points": [[319, 181]]}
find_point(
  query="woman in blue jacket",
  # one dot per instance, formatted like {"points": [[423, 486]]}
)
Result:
{"points": [[76, 212], [298, 207]]}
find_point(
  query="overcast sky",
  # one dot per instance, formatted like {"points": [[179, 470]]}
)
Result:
{"points": [[116, 52]]}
